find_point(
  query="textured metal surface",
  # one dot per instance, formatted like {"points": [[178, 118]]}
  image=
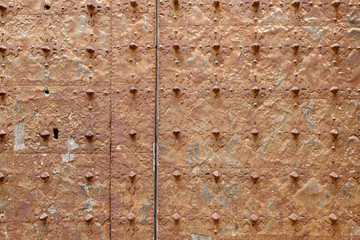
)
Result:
{"points": [[259, 120], [70, 66]]}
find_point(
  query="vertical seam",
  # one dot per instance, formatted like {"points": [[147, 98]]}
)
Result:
{"points": [[156, 148], [111, 102]]}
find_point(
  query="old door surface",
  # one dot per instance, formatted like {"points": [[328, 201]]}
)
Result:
{"points": [[259, 119], [174, 119]]}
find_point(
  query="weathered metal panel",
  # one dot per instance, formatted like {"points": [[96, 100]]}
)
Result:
{"points": [[258, 120]]}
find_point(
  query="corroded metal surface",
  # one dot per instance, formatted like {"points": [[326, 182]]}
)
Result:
{"points": [[67, 73], [259, 120]]}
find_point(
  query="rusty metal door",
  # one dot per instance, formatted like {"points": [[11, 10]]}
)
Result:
{"points": [[169, 119], [259, 119]]}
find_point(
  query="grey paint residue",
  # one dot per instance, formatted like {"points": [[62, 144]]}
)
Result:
{"points": [[19, 136], [72, 145], [200, 237]]}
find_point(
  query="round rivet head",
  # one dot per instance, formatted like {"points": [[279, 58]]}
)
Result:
{"points": [[89, 135], [295, 46], [216, 47], [176, 217], [132, 133], [295, 90], [176, 90], [255, 176], [2, 176], [2, 133], [176, 174], [133, 90], [255, 3], [295, 132], [333, 217], [215, 217], [90, 49], [216, 132], [335, 47], [132, 175], [334, 90], [176, 47], [255, 132], [45, 176], [88, 218], [216, 175], [176, 131], [133, 46], [43, 217], [2, 92], [334, 133], [296, 4], [216, 89], [253, 218], [255, 47], [131, 217], [90, 92], [45, 49], [45, 134], [89, 176], [255, 89], [294, 175], [293, 217], [334, 175], [335, 4]]}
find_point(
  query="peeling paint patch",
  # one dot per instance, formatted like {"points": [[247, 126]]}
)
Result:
{"points": [[19, 133]]}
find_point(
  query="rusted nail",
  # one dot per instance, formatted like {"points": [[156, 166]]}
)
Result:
{"points": [[133, 46], [295, 90], [45, 134], [253, 218], [216, 3], [295, 47], [176, 90], [133, 3], [334, 90], [90, 50], [132, 175], [296, 4], [334, 133], [90, 92], [45, 176], [333, 218], [176, 132], [295, 132], [2, 176], [2, 92], [293, 217], [255, 47], [2, 133], [255, 132], [89, 134], [216, 175], [215, 217], [255, 89], [131, 217], [335, 47], [176, 174], [216, 132], [216, 89], [216, 47], [132, 133], [89, 176], [91, 6], [335, 4], [255, 4], [176, 47], [255, 176], [3, 48], [294, 175], [45, 49], [43, 217], [176, 217], [88, 218], [3, 7], [334, 175]]}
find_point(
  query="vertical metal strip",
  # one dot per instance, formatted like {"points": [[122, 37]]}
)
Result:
{"points": [[156, 147]]}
